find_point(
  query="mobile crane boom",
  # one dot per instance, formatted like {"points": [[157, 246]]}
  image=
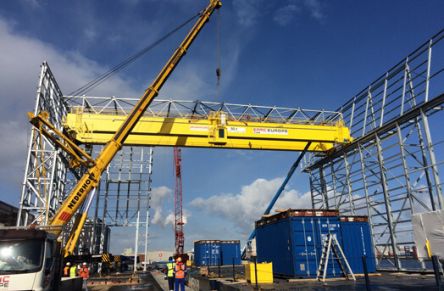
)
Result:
{"points": [[91, 178]]}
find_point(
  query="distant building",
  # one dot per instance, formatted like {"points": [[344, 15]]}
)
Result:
{"points": [[8, 215], [152, 256]]}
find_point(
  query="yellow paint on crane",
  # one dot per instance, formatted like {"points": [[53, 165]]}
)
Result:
{"points": [[214, 132]]}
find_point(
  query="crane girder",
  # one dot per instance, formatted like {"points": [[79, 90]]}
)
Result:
{"points": [[214, 132]]}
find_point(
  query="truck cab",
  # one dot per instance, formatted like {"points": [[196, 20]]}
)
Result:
{"points": [[29, 260]]}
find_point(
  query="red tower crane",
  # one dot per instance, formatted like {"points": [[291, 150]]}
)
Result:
{"points": [[178, 214]]}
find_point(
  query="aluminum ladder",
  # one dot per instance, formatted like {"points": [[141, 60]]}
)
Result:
{"points": [[331, 244]]}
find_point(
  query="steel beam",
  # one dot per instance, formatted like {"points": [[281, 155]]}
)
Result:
{"points": [[387, 202], [412, 114]]}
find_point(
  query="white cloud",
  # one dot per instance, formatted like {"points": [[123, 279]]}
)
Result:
{"points": [[243, 208], [32, 4], [19, 68], [90, 33], [169, 219], [13, 146], [285, 14], [315, 8], [248, 11], [158, 196]]}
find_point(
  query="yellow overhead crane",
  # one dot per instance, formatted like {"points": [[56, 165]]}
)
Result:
{"points": [[213, 131]]}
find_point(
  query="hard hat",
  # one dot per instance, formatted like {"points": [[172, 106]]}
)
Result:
{"points": [[68, 264], [179, 259], [84, 263]]}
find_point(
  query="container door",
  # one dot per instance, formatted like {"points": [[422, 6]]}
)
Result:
{"points": [[357, 243], [230, 253], [273, 243], [304, 246], [326, 225]]}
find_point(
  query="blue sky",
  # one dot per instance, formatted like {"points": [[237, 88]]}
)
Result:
{"points": [[295, 53]]}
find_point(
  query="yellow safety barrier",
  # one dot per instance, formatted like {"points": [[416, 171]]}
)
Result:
{"points": [[264, 273]]}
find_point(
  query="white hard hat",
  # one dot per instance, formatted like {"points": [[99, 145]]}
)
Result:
{"points": [[68, 264], [84, 263]]}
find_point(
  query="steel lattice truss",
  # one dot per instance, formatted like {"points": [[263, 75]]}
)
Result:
{"points": [[44, 183], [391, 170], [201, 110], [124, 189]]}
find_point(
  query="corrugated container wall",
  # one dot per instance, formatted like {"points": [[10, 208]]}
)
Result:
{"points": [[217, 252], [292, 241], [357, 242]]}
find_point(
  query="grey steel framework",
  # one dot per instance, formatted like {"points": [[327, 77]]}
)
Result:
{"points": [[44, 183], [126, 184], [124, 188], [201, 109], [93, 239], [392, 168]]}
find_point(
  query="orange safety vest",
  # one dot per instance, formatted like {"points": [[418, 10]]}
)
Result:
{"points": [[84, 272], [180, 271]]}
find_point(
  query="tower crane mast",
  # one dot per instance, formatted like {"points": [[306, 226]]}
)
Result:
{"points": [[178, 213]]}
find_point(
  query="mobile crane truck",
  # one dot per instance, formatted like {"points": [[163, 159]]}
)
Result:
{"points": [[31, 259]]}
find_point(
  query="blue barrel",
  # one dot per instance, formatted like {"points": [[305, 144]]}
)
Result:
{"points": [[217, 252], [357, 242]]}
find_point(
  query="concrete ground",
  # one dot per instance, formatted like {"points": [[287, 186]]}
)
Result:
{"points": [[142, 281], [387, 281], [160, 279]]}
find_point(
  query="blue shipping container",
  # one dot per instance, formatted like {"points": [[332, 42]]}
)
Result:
{"points": [[293, 240], [357, 242], [217, 252]]}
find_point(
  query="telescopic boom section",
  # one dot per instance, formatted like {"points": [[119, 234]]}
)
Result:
{"points": [[91, 178]]}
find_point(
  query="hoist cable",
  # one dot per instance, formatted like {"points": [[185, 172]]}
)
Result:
{"points": [[218, 54], [100, 79]]}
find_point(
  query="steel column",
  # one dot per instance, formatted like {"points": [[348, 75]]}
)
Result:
{"points": [[387, 202]]}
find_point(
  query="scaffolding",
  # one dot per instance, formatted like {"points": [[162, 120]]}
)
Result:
{"points": [[391, 169]]}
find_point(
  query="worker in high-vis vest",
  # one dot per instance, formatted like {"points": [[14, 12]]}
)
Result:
{"points": [[84, 273], [179, 274], [66, 269], [170, 273], [73, 271]]}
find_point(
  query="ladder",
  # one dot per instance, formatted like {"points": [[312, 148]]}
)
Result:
{"points": [[331, 244]]}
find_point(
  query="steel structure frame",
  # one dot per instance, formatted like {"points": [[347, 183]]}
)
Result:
{"points": [[44, 182], [391, 169], [201, 110], [389, 172], [48, 178], [125, 187]]}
